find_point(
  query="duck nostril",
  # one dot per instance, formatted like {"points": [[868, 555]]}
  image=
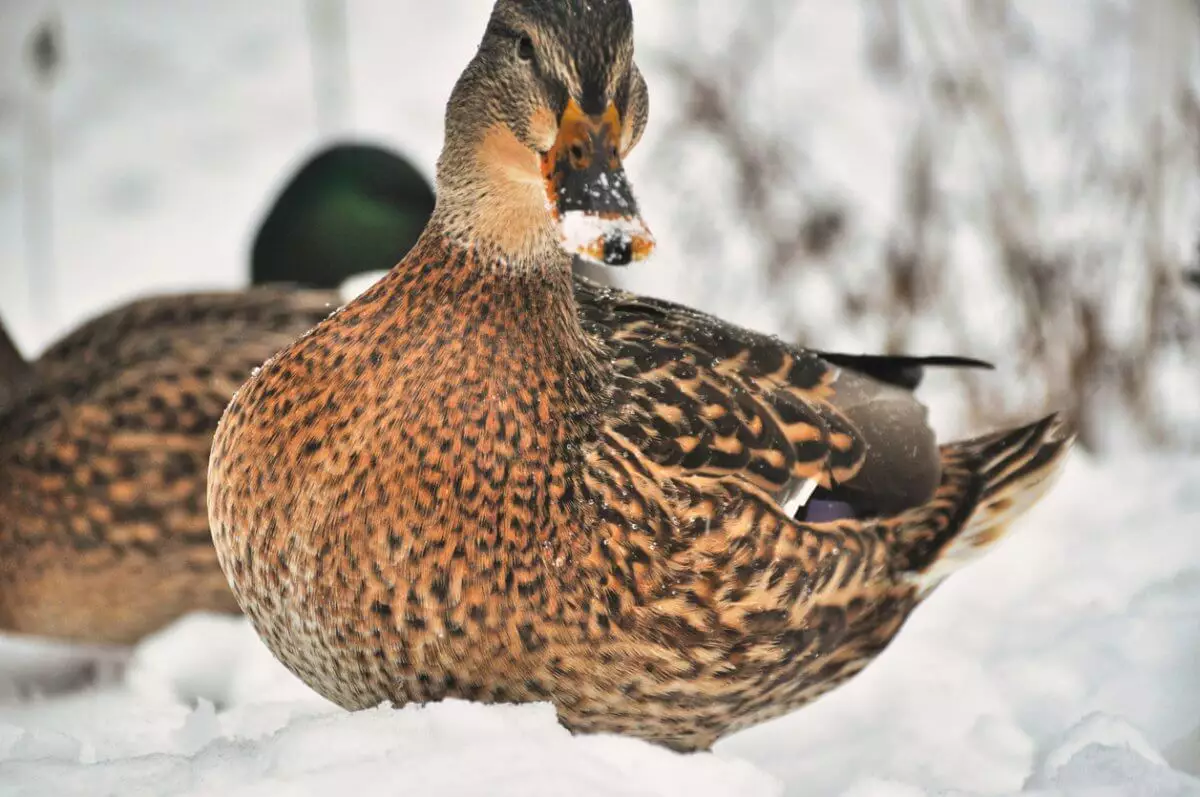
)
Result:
{"points": [[618, 250]]}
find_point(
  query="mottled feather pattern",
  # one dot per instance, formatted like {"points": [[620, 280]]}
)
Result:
{"points": [[502, 485], [1004, 474], [103, 525]]}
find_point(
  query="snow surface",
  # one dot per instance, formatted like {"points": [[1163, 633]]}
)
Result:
{"points": [[1064, 663]]}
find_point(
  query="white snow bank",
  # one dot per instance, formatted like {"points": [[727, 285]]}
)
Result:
{"points": [[1064, 663], [1092, 606], [448, 749], [158, 733], [353, 287], [1104, 755]]}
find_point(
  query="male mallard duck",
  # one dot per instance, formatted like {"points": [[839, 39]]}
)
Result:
{"points": [[104, 440], [361, 188], [485, 479], [350, 208]]}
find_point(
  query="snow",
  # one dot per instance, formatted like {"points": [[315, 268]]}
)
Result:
{"points": [[157, 732], [357, 285], [1063, 663], [1103, 755], [586, 234], [451, 749]]}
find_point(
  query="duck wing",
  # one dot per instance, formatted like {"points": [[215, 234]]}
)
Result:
{"points": [[164, 364], [697, 395], [104, 457], [711, 432]]}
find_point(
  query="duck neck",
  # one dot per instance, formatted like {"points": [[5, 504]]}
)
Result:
{"points": [[483, 324], [491, 194]]}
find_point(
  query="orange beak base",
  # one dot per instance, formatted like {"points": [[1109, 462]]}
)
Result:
{"points": [[589, 193]]}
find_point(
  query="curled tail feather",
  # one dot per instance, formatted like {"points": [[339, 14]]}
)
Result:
{"points": [[987, 482]]}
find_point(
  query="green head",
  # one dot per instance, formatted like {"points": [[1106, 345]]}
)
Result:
{"points": [[350, 209]]}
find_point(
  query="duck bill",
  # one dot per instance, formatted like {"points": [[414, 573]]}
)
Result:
{"points": [[589, 193]]}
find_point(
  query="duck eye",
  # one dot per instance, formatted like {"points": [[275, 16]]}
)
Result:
{"points": [[525, 48]]}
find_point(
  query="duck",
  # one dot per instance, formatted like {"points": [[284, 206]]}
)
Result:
{"points": [[351, 208], [104, 439], [489, 479], [371, 190]]}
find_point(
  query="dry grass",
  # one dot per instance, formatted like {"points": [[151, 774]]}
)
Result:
{"points": [[1087, 258]]}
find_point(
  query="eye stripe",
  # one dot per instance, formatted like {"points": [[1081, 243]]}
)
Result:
{"points": [[500, 29], [557, 94]]}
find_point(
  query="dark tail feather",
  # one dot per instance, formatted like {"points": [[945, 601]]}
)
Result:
{"points": [[986, 483], [899, 370], [14, 370]]}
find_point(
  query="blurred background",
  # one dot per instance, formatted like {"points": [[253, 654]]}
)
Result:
{"points": [[1015, 180]]}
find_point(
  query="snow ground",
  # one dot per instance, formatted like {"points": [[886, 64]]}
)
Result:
{"points": [[1065, 663]]}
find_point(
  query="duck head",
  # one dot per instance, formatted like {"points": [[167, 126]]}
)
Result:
{"points": [[536, 132], [352, 208]]}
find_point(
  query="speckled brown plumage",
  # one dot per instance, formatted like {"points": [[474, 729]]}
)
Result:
{"points": [[103, 454], [487, 480], [453, 489]]}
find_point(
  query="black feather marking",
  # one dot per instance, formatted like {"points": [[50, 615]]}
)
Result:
{"points": [[15, 371], [900, 370]]}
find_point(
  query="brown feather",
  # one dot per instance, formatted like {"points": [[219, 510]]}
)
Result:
{"points": [[485, 480], [496, 484], [103, 525]]}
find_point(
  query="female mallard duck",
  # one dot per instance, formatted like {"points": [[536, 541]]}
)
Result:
{"points": [[104, 444], [483, 479], [104, 440]]}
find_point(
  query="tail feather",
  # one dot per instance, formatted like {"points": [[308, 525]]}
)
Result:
{"points": [[900, 370], [987, 482], [15, 371]]}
